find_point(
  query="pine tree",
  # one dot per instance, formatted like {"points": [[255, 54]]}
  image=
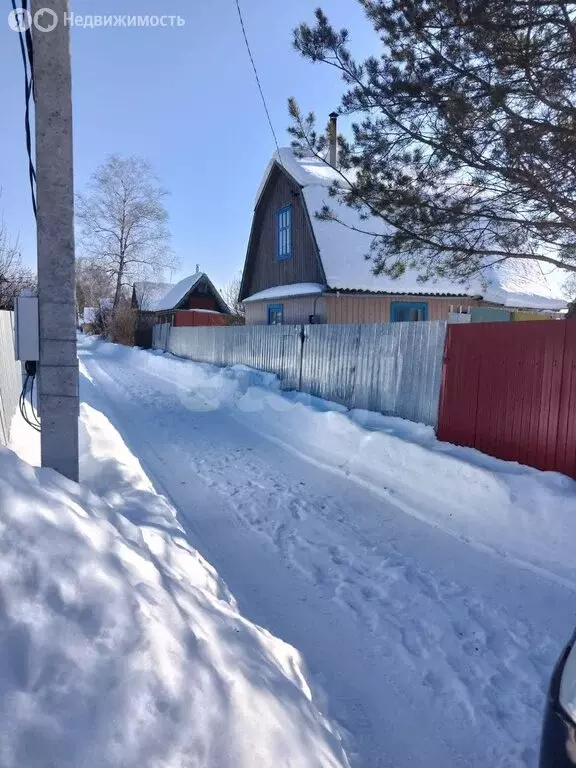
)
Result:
{"points": [[463, 140]]}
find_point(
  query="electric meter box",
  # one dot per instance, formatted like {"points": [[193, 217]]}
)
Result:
{"points": [[26, 328]]}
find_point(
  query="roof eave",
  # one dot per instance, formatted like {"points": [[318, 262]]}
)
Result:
{"points": [[250, 299], [274, 163], [553, 307], [224, 308], [367, 292]]}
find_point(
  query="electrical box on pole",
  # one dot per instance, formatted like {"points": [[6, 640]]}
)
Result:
{"points": [[26, 332]]}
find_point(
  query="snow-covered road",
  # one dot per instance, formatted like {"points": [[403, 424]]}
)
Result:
{"points": [[431, 636]]}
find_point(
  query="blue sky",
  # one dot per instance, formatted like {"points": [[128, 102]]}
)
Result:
{"points": [[186, 100]]}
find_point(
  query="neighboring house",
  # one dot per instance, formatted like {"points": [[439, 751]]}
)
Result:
{"points": [[193, 301], [300, 269], [95, 317], [146, 294]]}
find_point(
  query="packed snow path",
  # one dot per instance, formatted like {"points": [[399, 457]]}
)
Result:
{"points": [[431, 649]]}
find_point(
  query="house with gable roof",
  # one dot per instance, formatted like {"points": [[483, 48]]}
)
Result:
{"points": [[194, 301], [300, 269]]}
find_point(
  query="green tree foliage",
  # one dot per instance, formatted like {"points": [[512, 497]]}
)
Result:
{"points": [[463, 141]]}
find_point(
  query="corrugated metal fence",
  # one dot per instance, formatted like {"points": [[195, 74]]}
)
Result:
{"points": [[510, 390], [275, 349], [394, 368], [160, 336], [10, 376]]}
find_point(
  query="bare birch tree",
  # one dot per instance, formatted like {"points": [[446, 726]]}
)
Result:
{"points": [[14, 276], [123, 223], [231, 295]]}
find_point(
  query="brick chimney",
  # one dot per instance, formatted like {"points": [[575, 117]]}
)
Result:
{"points": [[333, 139]]}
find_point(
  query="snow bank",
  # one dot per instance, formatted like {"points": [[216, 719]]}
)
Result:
{"points": [[514, 510], [120, 645]]}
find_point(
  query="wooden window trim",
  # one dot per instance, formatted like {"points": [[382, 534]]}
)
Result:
{"points": [[273, 309], [421, 306], [284, 233]]}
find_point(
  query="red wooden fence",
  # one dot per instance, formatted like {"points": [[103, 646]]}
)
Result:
{"points": [[509, 389]]}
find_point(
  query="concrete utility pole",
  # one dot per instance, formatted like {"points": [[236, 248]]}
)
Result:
{"points": [[58, 375]]}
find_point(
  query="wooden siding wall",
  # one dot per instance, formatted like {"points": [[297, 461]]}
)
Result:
{"points": [[263, 268], [348, 308], [200, 301], [187, 318], [296, 310]]}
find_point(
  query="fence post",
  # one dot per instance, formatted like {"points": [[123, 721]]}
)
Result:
{"points": [[302, 342], [3, 427], [343, 363]]}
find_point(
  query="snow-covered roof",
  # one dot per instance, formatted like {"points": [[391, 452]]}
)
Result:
{"points": [[148, 294], [174, 294], [515, 283], [177, 292], [283, 291], [304, 170]]}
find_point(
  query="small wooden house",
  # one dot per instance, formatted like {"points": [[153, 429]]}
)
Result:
{"points": [[194, 301], [300, 269]]}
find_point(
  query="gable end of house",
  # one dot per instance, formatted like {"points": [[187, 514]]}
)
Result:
{"points": [[273, 258]]}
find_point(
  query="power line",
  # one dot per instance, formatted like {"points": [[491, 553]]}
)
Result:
{"points": [[33, 420], [257, 78], [34, 414], [26, 49]]}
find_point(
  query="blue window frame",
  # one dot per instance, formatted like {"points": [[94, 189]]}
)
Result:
{"points": [[284, 233], [408, 311], [275, 314]]}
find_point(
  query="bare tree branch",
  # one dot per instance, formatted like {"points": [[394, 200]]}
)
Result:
{"points": [[231, 293], [123, 223], [14, 276]]}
